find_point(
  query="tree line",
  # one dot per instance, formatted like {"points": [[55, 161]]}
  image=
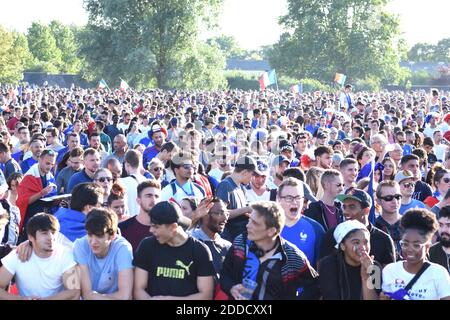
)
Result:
{"points": [[157, 44]]}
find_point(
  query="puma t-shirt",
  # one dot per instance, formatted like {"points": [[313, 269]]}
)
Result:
{"points": [[173, 271]]}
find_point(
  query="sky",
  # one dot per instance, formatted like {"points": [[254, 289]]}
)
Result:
{"points": [[252, 22]]}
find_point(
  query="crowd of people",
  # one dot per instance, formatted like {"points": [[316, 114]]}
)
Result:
{"points": [[224, 195]]}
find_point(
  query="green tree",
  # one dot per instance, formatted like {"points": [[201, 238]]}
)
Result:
{"points": [[14, 56], [146, 42], [354, 37], [228, 45], [204, 69], [66, 43], [442, 51], [422, 52], [42, 44]]}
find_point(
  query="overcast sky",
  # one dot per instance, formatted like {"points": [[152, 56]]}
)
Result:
{"points": [[252, 22]]}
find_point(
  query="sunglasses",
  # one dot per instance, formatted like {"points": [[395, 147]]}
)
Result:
{"points": [[157, 169], [391, 197], [103, 179], [446, 180], [187, 166]]}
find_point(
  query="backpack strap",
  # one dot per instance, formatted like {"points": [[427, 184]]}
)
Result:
{"points": [[425, 266], [273, 195]]}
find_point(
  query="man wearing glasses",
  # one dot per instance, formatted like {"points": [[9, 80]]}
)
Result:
{"points": [[300, 230], [389, 198], [183, 186], [211, 226], [407, 182]]}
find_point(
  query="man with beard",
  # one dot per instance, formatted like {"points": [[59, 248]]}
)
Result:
{"points": [[257, 190], [96, 144], [279, 165], [440, 251], [91, 162], [158, 135], [300, 230], [49, 274], [183, 186], [36, 146], [323, 155], [211, 226], [137, 228]]}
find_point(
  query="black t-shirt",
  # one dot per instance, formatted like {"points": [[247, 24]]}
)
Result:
{"points": [[332, 287], [381, 245], [173, 271], [422, 190]]}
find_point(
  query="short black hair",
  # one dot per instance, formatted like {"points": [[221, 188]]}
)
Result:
{"points": [[294, 173], [407, 158], [444, 212], [87, 193], [322, 150]]}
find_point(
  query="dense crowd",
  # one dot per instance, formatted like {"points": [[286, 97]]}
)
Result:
{"points": [[224, 195]]}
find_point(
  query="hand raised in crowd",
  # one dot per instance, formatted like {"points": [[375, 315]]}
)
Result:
{"points": [[24, 251], [366, 263], [201, 211]]}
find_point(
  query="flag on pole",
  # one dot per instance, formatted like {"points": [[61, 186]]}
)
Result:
{"points": [[102, 84], [369, 171], [340, 78], [297, 88], [267, 79], [123, 85]]}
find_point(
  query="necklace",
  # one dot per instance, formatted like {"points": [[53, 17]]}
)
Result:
{"points": [[330, 211]]}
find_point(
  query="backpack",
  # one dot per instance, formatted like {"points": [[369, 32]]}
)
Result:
{"points": [[174, 188]]}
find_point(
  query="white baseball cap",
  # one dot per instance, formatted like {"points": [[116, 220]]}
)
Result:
{"points": [[345, 228]]}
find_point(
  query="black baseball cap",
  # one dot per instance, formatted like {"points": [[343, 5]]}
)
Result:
{"points": [[248, 163], [358, 195], [167, 212]]}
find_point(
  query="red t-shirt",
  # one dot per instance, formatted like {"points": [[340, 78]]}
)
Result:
{"points": [[12, 123], [134, 232]]}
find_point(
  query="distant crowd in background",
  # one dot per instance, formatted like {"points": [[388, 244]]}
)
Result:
{"points": [[245, 195]]}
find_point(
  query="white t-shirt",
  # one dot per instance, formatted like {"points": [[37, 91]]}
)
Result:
{"points": [[440, 150], [122, 126], [253, 197], [41, 277], [428, 131], [433, 284], [216, 173], [186, 191], [131, 185]]}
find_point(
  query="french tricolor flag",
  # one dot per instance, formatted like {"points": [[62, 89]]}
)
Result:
{"points": [[29, 186], [297, 88], [266, 79]]}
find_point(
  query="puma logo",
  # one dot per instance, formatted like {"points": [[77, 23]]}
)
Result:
{"points": [[179, 263]]}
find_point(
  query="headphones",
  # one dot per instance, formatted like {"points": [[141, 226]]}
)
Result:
{"points": [[258, 251]]}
